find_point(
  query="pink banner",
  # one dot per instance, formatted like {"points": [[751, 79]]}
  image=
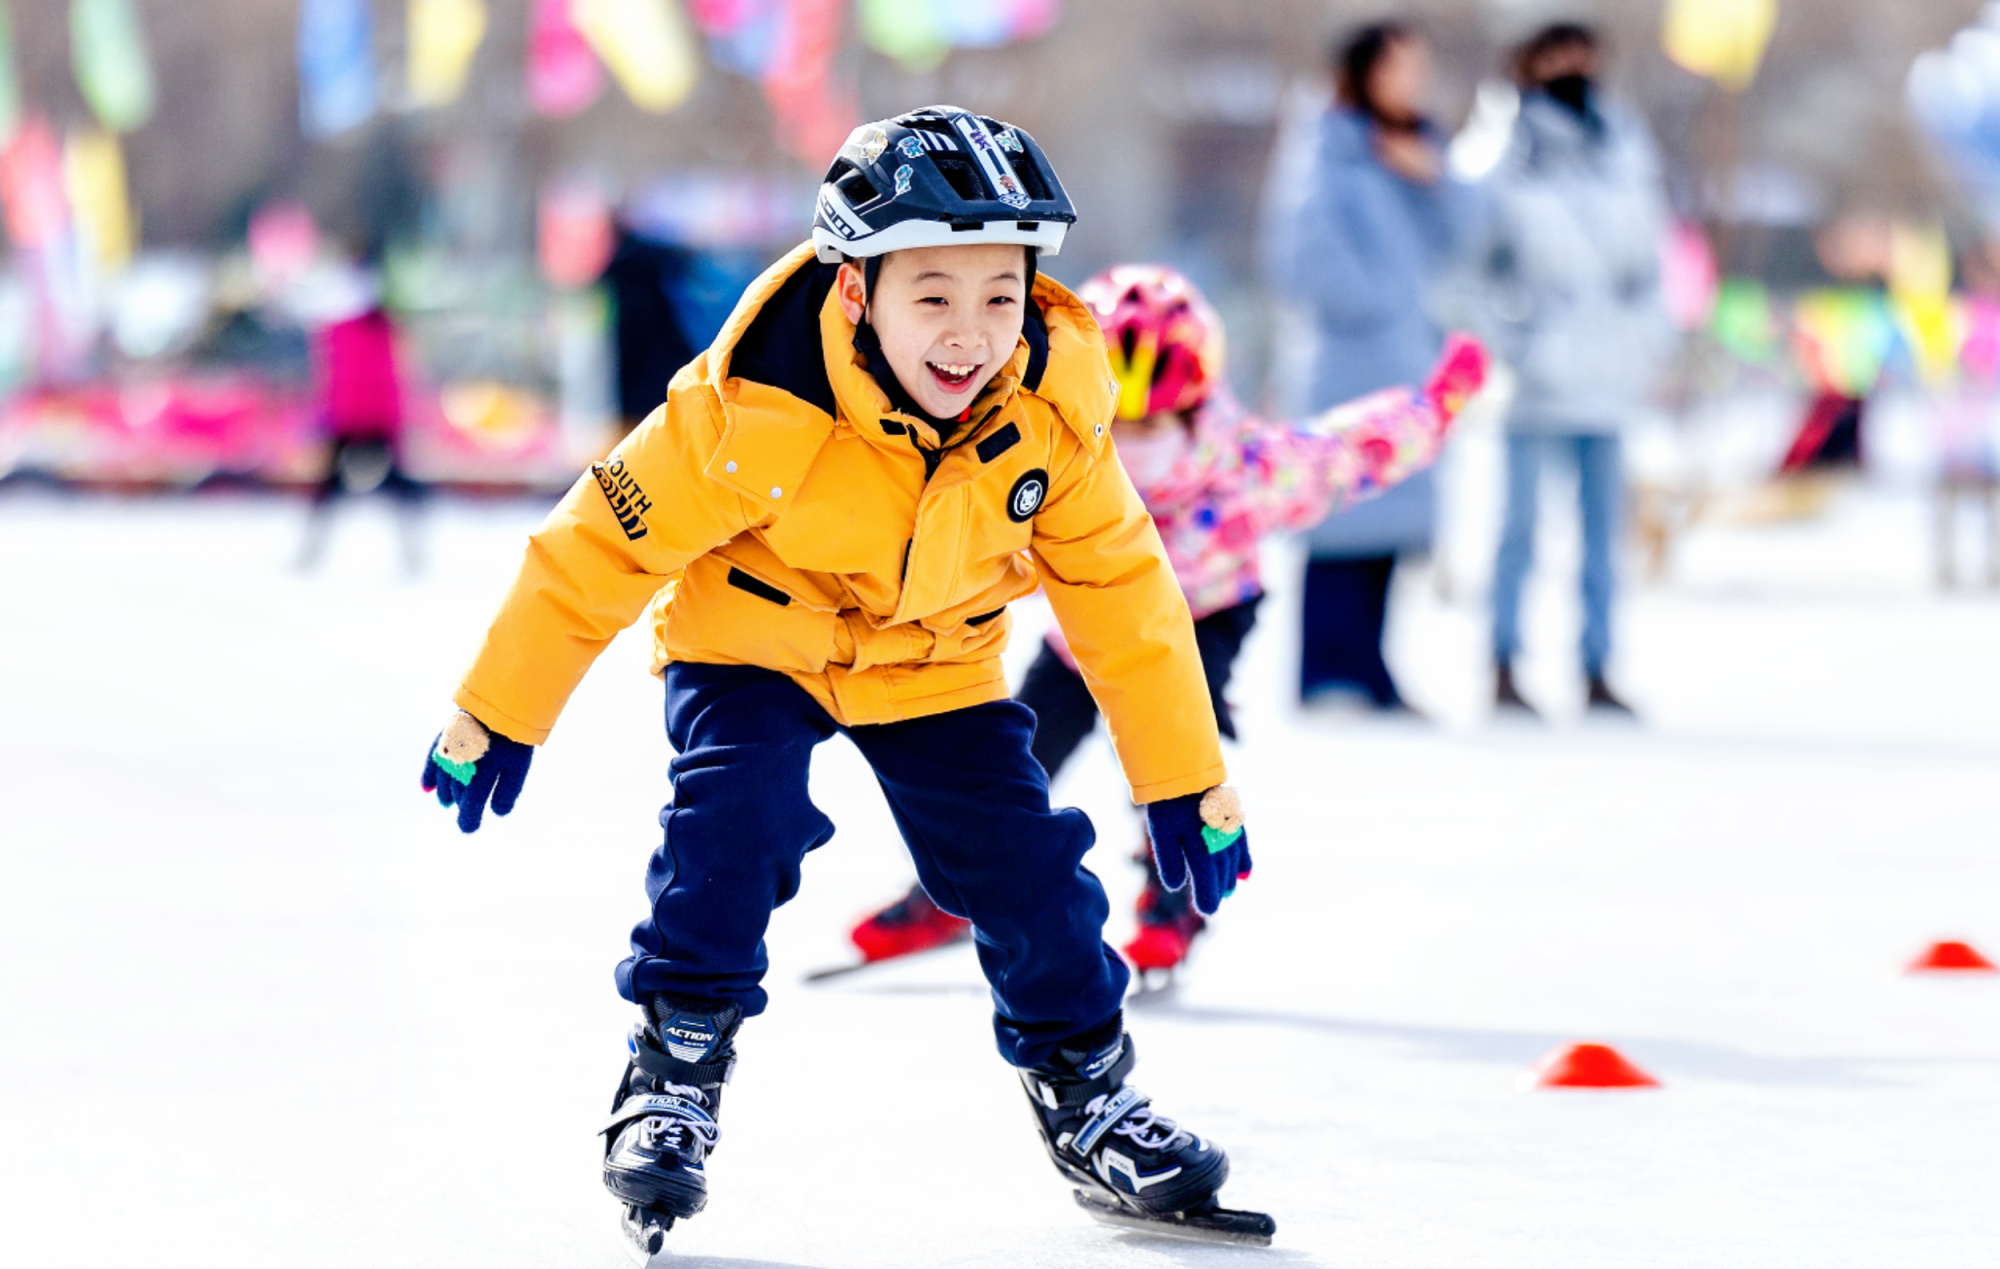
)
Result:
{"points": [[564, 76], [812, 115]]}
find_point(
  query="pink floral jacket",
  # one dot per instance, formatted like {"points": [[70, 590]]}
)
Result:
{"points": [[1244, 478]]}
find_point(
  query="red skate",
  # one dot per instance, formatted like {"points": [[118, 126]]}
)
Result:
{"points": [[911, 924], [1168, 924]]}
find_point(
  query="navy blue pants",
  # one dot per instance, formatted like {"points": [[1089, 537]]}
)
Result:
{"points": [[973, 806]]}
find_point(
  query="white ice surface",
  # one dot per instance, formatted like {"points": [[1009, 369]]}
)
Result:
{"points": [[260, 1004]]}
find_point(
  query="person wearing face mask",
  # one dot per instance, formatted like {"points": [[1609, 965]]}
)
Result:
{"points": [[1572, 268], [1363, 240], [1216, 480]]}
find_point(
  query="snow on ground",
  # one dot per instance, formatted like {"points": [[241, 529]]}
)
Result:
{"points": [[264, 1006]]}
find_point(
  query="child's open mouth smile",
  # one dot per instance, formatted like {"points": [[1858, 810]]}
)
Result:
{"points": [[953, 377]]}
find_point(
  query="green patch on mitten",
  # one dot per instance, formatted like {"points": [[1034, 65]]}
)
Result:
{"points": [[459, 771], [1218, 839]]}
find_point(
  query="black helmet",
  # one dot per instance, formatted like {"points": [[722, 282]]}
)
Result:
{"points": [[938, 177]]}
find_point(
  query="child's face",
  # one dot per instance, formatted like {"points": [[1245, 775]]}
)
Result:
{"points": [[948, 317]]}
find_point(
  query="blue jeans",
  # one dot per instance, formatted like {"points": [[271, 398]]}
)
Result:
{"points": [[973, 806], [1601, 495]]}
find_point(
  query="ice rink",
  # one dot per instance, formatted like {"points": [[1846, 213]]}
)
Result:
{"points": [[262, 1005]]}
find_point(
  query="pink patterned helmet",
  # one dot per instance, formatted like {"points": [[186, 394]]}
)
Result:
{"points": [[1164, 341]]}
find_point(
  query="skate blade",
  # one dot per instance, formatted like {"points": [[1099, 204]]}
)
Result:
{"points": [[644, 1233], [831, 972], [1203, 1225]]}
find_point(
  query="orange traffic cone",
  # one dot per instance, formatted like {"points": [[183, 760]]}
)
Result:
{"points": [[1951, 957], [1588, 1066]]}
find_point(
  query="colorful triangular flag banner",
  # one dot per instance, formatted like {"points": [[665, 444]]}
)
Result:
{"points": [[564, 76], [444, 36], [109, 55], [647, 46], [336, 66]]}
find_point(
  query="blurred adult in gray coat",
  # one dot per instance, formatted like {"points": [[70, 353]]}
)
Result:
{"points": [[1362, 244], [1578, 211]]}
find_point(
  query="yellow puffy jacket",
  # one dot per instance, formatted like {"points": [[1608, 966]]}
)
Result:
{"points": [[777, 511]]}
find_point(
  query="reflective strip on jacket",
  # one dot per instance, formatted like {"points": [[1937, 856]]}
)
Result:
{"points": [[776, 512]]}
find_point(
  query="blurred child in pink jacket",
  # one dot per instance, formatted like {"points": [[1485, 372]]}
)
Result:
{"points": [[1217, 480], [360, 382]]}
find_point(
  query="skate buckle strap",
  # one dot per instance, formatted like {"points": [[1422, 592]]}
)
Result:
{"points": [[1116, 1107], [665, 1066], [1061, 1094], [681, 1109]]}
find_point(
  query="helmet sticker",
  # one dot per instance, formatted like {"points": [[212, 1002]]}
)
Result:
{"points": [[911, 147], [872, 145], [1025, 498], [903, 175], [999, 173], [1008, 141], [834, 214]]}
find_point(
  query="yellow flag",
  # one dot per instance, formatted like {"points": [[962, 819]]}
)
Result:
{"points": [[1721, 39], [1919, 260], [647, 45], [444, 35], [94, 172], [1920, 298]]}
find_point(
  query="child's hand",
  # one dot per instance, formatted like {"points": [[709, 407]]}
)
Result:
{"points": [[1200, 836], [468, 762], [1460, 373]]}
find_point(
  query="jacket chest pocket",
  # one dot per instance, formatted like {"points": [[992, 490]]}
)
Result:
{"points": [[966, 540], [860, 532]]}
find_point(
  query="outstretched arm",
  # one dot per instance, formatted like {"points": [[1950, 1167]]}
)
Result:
{"points": [[1295, 476]]}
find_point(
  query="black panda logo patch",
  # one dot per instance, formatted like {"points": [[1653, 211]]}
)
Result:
{"points": [[1025, 498]]}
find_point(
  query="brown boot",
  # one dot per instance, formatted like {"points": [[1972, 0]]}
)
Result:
{"points": [[1604, 702], [1507, 699]]}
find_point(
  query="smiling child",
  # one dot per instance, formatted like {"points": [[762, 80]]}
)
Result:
{"points": [[901, 429]]}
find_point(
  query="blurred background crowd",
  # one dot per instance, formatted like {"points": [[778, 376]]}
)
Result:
{"points": [[1731, 253]]}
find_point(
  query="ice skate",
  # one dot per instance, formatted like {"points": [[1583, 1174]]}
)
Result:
{"points": [[662, 1125], [1168, 924], [910, 925], [1131, 1165]]}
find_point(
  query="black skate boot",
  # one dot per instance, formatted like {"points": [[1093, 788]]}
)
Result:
{"points": [[662, 1123], [1132, 1166]]}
